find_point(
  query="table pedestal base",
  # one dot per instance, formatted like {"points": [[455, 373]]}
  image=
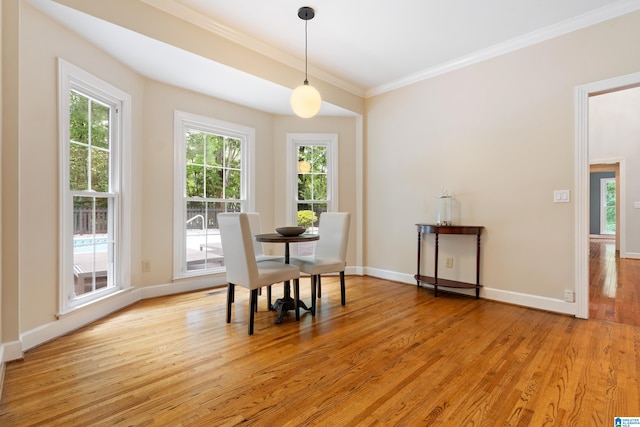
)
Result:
{"points": [[282, 305]]}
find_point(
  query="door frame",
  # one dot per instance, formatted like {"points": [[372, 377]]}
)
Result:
{"points": [[581, 161]]}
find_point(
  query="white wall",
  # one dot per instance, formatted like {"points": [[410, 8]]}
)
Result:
{"points": [[499, 135], [614, 133], [160, 102], [42, 42]]}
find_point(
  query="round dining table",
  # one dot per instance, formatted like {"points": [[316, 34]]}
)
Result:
{"points": [[286, 303]]}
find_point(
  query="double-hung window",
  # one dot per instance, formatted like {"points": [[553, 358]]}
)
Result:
{"points": [[212, 176], [94, 214], [312, 181]]}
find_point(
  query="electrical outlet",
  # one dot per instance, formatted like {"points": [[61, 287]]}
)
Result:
{"points": [[449, 263], [146, 266], [569, 296]]}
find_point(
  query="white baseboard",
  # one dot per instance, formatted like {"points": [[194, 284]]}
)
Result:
{"points": [[633, 255], [516, 298], [92, 312], [354, 271], [78, 318], [185, 285], [11, 350], [389, 275]]}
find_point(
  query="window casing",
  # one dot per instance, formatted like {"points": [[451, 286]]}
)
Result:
{"points": [[212, 175], [94, 206]]}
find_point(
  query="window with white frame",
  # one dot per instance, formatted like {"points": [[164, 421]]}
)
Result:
{"points": [[608, 206], [212, 170], [312, 180], [94, 215]]}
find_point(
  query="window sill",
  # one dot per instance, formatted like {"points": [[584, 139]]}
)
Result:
{"points": [[93, 303]]}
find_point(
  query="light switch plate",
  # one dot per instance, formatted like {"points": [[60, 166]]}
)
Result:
{"points": [[561, 196]]}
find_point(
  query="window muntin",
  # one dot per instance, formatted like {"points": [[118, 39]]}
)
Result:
{"points": [[212, 162]]}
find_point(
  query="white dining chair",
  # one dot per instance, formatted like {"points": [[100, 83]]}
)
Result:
{"points": [[330, 254], [254, 225], [242, 267]]}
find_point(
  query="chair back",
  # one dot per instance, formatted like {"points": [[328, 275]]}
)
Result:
{"points": [[237, 247], [254, 225], [334, 235]]}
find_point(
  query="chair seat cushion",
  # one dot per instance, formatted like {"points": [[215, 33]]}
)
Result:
{"points": [[313, 266], [270, 272]]}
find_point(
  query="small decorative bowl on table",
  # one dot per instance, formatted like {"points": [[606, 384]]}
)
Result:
{"points": [[291, 231]]}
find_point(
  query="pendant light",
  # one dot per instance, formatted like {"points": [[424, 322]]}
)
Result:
{"points": [[305, 99]]}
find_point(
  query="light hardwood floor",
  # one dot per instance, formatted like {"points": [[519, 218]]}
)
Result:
{"points": [[614, 284], [395, 355]]}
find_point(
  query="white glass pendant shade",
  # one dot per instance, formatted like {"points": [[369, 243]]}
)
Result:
{"points": [[306, 101]]}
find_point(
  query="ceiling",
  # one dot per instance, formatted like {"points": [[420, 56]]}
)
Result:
{"points": [[363, 46]]}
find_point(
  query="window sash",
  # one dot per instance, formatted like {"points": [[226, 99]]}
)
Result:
{"points": [[197, 250]]}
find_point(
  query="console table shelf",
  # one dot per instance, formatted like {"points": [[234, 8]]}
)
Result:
{"points": [[435, 281]]}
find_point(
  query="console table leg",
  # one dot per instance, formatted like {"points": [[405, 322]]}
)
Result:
{"points": [[419, 255]]}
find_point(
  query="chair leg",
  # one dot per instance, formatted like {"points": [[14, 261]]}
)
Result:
{"points": [[319, 287], [230, 292], [253, 302], [269, 306], [313, 295], [296, 295], [343, 295]]}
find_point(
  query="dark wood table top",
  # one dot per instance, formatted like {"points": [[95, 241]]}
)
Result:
{"points": [[450, 229], [279, 238]]}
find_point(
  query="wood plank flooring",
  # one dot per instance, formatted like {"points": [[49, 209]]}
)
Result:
{"points": [[395, 355], [614, 284]]}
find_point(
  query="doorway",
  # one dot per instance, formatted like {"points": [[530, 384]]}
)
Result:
{"points": [[582, 161]]}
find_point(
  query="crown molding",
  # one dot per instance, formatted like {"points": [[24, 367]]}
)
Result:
{"points": [[585, 20], [185, 13]]}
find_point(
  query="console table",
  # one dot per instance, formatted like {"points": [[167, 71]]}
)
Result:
{"points": [[448, 229]]}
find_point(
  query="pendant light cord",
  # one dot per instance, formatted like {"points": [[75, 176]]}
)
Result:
{"points": [[306, 81]]}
